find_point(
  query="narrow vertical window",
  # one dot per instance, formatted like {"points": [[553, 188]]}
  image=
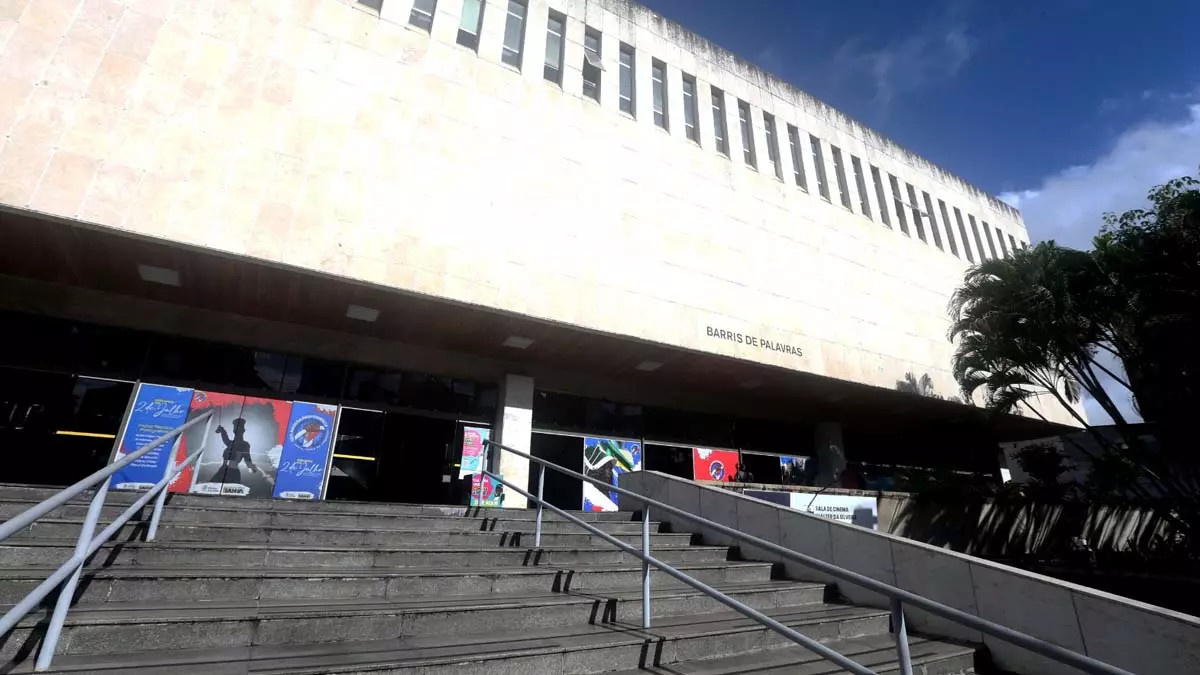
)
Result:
{"points": [[860, 182], [592, 64], [962, 235], [1013, 243], [899, 204], [555, 26], [690, 108], [797, 158], [916, 213], [720, 129], [421, 15], [987, 232], [880, 196], [949, 228], [978, 241], [819, 163], [839, 173], [626, 91], [933, 227], [376, 5], [658, 89], [747, 134], [772, 144], [514, 33], [1000, 237], [468, 27]]}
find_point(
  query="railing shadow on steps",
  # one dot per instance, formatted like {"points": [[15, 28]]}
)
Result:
{"points": [[66, 577], [898, 596]]}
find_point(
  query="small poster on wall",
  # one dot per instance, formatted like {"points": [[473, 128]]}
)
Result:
{"points": [[486, 492], [305, 457], [244, 459], [157, 409], [472, 450], [716, 465], [605, 459], [792, 470]]}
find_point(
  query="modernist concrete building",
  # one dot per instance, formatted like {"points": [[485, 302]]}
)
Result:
{"points": [[548, 216]]}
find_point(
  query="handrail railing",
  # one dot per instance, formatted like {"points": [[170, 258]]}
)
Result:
{"points": [[899, 597], [87, 544]]}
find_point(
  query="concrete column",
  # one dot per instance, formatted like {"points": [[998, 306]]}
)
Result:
{"points": [[533, 59], [643, 84], [762, 156], [704, 115], [610, 81], [733, 129], [831, 454], [446, 17], [675, 102], [514, 428], [491, 33], [573, 58], [396, 11], [785, 150]]}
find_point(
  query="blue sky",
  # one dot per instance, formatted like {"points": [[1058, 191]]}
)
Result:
{"points": [[1065, 108]]}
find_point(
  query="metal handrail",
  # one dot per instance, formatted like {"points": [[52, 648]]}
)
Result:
{"points": [[898, 596], [87, 544]]}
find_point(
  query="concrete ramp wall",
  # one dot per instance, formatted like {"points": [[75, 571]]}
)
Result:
{"points": [[1140, 638]]}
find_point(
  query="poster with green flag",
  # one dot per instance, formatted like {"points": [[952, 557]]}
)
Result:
{"points": [[605, 459]]}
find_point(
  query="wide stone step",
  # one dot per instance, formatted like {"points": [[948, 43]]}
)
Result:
{"points": [[267, 517], [167, 554], [876, 652], [193, 583], [10, 506], [95, 630], [50, 529], [561, 650]]}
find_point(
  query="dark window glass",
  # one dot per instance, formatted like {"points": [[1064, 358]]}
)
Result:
{"points": [[1000, 238], [566, 412], [421, 15], [555, 25], [626, 92], [933, 226], [470, 23], [680, 426], [987, 231], [797, 158], [376, 5], [1013, 243], [899, 204], [747, 127], [315, 378], [772, 144], [962, 233], [720, 129], [195, 362], [591, 64], [860, 182], [658, 80], [916, 214], [978, 241], [949, 228], [689, 109], [839, 172], [819, 164], [880, 196], [514, 33]]}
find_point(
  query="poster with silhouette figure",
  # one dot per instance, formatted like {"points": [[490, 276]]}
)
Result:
{"points": [[243, 456], [305, 458], [718, 465], [605, 459]]}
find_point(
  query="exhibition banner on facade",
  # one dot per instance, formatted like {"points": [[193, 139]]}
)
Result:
{"points": [[605, 459], [718, 465], [245, 456], [472, 450], [305, 457], [849, 509], [486, 492], [157, 409]]}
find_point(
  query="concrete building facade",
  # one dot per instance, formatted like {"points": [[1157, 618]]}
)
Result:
{"points": [[590, 198]]}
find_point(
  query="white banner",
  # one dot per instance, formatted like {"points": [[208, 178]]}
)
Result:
{"points": [[861, 511]]}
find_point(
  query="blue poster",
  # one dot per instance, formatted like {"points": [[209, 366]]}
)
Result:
{"points": [[606, 460], [305, 456], [157, 409]]}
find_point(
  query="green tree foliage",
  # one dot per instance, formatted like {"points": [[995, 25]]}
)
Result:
{"points": [[1051, 322]]}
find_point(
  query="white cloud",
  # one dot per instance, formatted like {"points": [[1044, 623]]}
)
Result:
{"points": [[933, 55], [1067, 206]]}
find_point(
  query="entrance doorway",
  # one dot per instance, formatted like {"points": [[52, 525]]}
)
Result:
{"points": [[394, 457]]}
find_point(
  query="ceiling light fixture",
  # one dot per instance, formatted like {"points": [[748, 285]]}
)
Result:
{"points": [[517, 342], [368, 314], [159, 275]]}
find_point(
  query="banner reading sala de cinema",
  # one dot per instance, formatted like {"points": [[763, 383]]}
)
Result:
{"points": [[305, 457], [157, 409]]}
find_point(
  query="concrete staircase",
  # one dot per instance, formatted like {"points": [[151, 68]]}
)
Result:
{"points": [[247, 586]]}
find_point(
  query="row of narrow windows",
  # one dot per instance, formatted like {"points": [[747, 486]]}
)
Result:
{"points": [[910, 214]]}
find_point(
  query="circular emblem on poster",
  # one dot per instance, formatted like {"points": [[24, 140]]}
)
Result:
{"points": [[309, 432], [716, 470]]}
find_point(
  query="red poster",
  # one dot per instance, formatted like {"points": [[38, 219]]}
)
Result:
{"points": [[242, 444], [718, 465]]}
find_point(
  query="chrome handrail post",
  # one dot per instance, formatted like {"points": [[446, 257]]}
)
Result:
{"points": [[645, 565], [67, 592], [537, 533], [169, 472], [901, 630]]}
